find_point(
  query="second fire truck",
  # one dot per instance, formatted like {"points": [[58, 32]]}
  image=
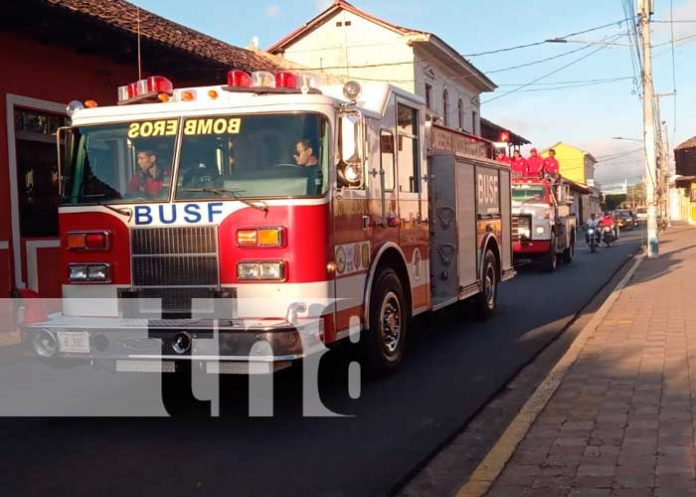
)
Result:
{"points": [[271, 214], [546, 230]]}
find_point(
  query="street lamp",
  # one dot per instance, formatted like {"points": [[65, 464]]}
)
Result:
{"points": [[624, 138]]}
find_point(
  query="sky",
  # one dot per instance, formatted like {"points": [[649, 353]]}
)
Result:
{"points": [[602, 104]]}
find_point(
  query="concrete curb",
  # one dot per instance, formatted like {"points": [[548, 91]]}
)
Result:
{"points": [[485, 474]]}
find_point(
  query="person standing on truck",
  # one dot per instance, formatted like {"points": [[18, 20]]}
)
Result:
{"points": [[501, 156], [149, 178], [535, 164], [551, 164], [519, 164]]}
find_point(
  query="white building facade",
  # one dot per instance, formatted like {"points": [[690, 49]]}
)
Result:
{"points": [[348, 43]]}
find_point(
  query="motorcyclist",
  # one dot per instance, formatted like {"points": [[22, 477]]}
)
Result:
{"points": [[593, 223], [608, 221]]}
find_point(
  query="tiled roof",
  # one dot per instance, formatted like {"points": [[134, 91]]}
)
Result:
{"points": [[124, 16], [690, 143]]}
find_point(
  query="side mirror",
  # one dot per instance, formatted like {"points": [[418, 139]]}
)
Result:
{"points": [[350, 165]]}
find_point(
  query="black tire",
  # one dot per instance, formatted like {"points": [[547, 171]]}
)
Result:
{"points": [[550, 261], [569, 253], [593, 246], [486, 300], [385, 341]]}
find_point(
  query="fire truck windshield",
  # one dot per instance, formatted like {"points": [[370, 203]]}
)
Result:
{"points": [[227, 156], [124, 162], [528, 193], [253, 156]]}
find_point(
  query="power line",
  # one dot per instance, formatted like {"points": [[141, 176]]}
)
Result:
{"points": [[538, 61], [527, 45], [571, 82], [529, 83]]}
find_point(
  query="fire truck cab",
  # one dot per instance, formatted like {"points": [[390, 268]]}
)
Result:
{"points": [[545, 228], [243, 226]]}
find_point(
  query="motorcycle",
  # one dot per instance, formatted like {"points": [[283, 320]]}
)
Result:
{"points": [[592, 240], [608, 235]]}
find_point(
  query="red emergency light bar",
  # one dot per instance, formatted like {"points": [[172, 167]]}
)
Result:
{"points": [[148, 88], [281, 81]]}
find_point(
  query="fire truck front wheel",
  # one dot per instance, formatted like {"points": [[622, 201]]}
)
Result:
{"points": [[384, 341], [550, 261]]}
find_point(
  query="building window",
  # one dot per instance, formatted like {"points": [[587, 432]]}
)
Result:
{"points": [[428, 95], [339, 24], [37, 171], [474, 118], [445, 107], [348, 23], [408, 156], [460, 113]]}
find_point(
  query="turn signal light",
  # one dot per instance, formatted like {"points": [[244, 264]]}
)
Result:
{"points": [[90, 240], [260, 237]]}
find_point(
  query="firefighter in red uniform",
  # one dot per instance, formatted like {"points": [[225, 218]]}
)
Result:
{"points": [[551, 164], [535, 164], [149, 179], [502, 157], [519, 164]]}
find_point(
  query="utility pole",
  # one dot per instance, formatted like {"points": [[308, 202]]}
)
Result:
{"points": [[649, 130]]}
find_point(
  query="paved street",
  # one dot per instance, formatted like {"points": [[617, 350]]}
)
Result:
{"points": [[455, 366]]}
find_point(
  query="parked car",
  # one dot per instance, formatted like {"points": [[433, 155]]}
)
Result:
{"points": [[625, 219], [642, 214]]}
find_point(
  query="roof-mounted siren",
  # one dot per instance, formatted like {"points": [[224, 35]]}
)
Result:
{"points": [[154, 88], [352, 91]]}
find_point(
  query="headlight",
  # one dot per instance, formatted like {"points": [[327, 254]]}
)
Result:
{"points": [[539, 230], [98, 272], [87, 273], [523, 231], [261, 270], [78, 273]]}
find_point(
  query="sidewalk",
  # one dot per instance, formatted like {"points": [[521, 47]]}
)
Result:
{"points": [[622, 421]]}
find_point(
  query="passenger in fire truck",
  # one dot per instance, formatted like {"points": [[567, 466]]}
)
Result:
{"points": [[519, 164], [304, 157], [551, 165], [535, 164], [149, 178]]}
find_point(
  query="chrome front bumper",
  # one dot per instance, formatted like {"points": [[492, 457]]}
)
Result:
{"points": [[206, 340]]}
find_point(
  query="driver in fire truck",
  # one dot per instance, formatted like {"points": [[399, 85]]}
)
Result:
{"points": [[305, 157], [149, 178]]}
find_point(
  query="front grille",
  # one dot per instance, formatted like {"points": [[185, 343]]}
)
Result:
{"points": [[515, 221], [175, 264]]}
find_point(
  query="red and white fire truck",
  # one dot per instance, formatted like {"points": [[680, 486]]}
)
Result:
{"points": [[545, 228], [238, 225]]}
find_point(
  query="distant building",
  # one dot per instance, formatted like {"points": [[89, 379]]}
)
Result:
{"points": [[349, 43], [578, 166], [574, 163], [54, 51], [683, 202], [493, 132]]}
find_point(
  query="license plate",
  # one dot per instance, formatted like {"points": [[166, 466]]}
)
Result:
{"points": [[76, 342]]}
